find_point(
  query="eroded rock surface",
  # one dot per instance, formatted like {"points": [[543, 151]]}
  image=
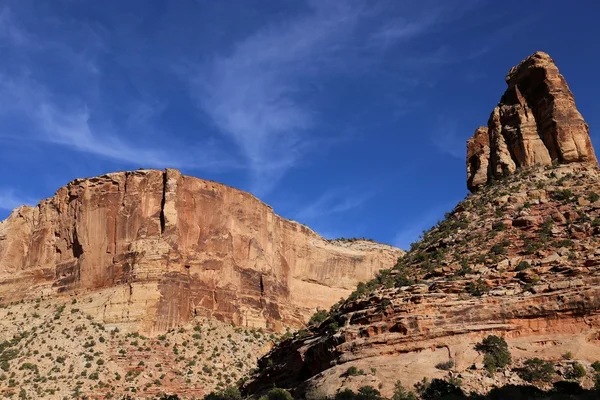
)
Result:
{"points": [[157, 248], [535, 123], [518, 260]]}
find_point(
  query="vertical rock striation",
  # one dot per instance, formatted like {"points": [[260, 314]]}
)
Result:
{"points": [[156, 248], [535, 123]]}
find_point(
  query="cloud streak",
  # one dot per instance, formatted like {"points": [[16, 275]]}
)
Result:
{"points": [[257, 94], [9, 200], [71, 127], [79, 123], [335, 201]]}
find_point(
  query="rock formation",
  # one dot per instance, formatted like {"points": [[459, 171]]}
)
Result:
{"points": [[154, 248], [535, 123], [518, 259]]}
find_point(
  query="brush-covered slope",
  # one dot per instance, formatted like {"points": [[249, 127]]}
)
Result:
{"points": [[518, 260]]}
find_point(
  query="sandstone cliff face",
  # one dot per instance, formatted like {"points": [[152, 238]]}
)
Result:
{"points": [[156, 248], [535, 123]]}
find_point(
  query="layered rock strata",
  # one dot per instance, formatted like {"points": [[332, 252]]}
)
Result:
{"points": [[154, 248]]}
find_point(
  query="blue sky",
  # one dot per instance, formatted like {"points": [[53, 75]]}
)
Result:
{"points": [[348, 116]]}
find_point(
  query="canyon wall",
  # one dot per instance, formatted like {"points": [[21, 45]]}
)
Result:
{"points": [[153, 249]]}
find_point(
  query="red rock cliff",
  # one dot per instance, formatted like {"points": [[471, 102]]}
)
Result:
{"points": [[156, 248], [535, 123]]}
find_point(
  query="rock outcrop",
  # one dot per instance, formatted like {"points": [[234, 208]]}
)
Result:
{"points": [[535, 123], [154, 248], [518, 259]]}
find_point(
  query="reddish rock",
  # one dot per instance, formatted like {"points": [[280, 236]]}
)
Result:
{"points": [[535, 123], [159, 247]]}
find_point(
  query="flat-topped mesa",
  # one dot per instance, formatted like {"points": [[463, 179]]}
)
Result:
{"points": [[535, 123], [148, 250]]}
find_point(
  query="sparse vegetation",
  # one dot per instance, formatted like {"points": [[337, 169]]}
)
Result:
{"points": [[496, 353], [535, 370]]}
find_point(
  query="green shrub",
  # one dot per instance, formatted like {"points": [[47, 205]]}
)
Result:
{"points": [[400, 393], [477, 288], [562, 195], [596, 366], [496, 353], [353, 371], [446, 365], [498, 249], [277, 394], [536, 369], [318, 317], [522, 266], [442, 389], [231, 393], [576, 371]]}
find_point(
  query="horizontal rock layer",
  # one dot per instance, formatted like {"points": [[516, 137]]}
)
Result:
{"points": [[518, 260], [535, 123], [159, 247]]}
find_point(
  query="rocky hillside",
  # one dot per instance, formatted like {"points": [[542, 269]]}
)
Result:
{"points": [[149, 250], [52, 349], [517, 260]]}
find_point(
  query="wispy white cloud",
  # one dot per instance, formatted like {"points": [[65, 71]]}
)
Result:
{"points": [[70, 126], [71, 121], [9, 200], [335, 201], [257, 94]]}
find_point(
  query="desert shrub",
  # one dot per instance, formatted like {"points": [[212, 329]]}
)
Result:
{"points": [[498, 249], [596, 366], [477, 288], [421, 386], [446, 365], [346, 394], [231, 393], [592, 197], [400, 393], [353, 371], [496, 353], [442, 389], [364, 393], [318, 317], [522, 266], [536, 369], [576, 371], [277, 394], [368, 393], [562, 195], [499, 226]]}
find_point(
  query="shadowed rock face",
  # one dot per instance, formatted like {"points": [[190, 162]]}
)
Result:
{"points": [[535, 123], [158, 248]]}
